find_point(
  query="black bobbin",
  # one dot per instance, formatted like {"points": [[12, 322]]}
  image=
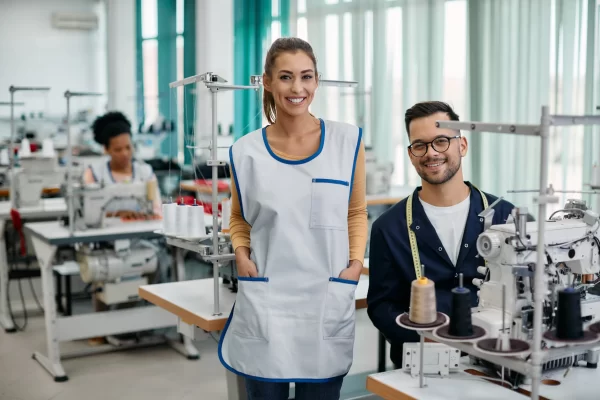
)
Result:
{"points": [[460, 316], [460, 326], [569, 325]]}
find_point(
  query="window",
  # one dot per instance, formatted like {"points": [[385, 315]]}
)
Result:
{"points": [[150, 59], [166, 52]]}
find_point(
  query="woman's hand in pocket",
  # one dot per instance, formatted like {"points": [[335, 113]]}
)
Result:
{"points": [[352, 272], [245, 266]]}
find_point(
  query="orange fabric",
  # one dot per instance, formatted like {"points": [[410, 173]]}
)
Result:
{"points": [[357, 211]]}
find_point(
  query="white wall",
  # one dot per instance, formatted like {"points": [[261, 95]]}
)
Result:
{"points": [[33, 53], [214, 53], [120, 33]]}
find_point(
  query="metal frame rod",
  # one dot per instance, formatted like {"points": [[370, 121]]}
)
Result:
{"points": [[217, 86], [70, 207], [187, 81], [523, 129], [540, 289], [215, 207], [8, 103], [11, 148], [562, 120], [329, 82]]}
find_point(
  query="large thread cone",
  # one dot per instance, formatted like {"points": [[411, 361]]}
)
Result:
{"points": [[460, 317], [568, 317], [423, 308]]}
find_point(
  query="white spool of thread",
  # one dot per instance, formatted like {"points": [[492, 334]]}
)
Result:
{"points": [[25, 150], [48, 148], [225, 215], [182, 220], [169, 212], [4, 159], [196, 227]]}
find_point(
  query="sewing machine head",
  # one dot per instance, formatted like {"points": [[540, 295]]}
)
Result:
{"points": [[572, 253], [96, 201], [36, 173]]}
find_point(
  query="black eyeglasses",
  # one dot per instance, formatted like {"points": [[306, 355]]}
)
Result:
{"points": [[439, 144]]}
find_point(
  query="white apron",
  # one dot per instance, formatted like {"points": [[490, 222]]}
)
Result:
{"points": [[295, 321], [140, 172]]}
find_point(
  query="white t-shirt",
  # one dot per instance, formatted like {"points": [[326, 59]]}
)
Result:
{"points": [[449, 223]]}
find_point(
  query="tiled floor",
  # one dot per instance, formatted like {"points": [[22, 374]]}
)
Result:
{"points": [[151, 373]]}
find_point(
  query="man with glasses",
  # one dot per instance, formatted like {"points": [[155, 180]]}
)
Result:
{"points": [[442, 218]]}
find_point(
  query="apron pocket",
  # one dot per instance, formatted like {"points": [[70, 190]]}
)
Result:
{"points": [[329, 204], [340, 305], [251, 316]]}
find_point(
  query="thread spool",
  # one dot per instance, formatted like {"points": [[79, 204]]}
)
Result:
{"points": [[182, 220], [25, 149], [225, 215], [48, 148], [169, 212], [4, 159], [569, 325], [460, 317], [196, 227], [422, 302]]}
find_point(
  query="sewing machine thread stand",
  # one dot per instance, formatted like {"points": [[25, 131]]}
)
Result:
{"points": [[460, 328], [503, 345], [405, 321]]}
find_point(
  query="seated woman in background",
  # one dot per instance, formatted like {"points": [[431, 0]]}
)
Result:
{"points": [[113, 132]]}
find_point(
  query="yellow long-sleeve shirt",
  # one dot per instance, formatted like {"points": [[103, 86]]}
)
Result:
{"points": [[239, 229]]}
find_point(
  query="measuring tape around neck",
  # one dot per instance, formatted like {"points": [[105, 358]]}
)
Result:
{"points": [[412, 238]]}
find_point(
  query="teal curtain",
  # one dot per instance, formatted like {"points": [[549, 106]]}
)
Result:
{"points": [[526, 54], [394, 50], [253, 36], [189, 69], [251, 28]]}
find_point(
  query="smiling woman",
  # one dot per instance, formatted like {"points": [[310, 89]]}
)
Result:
{"points": [[298, 220]]}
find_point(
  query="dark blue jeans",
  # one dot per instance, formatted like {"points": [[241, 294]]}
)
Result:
{"points": [[259, 390]]}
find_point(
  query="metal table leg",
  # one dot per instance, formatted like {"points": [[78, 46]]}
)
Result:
{"points": [[186, 348], [5, 319], [51, 362]]}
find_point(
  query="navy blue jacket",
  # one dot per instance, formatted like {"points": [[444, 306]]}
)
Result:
{"points": [[391, 267]]}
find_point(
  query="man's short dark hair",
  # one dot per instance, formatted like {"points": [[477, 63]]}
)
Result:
{"points": [[427, 108]]}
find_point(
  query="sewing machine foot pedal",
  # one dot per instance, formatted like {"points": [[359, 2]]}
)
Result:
{"points": [[63, 378], [193, 356], [10, 330], [591, 365]]}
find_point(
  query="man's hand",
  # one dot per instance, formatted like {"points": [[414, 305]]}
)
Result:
{"points": [[353, 271], [245, 266]]}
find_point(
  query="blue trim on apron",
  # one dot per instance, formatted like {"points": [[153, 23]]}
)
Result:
{"points": [[354, 164], [258, 378], [332, 181], [237, 184], [295, 162]]}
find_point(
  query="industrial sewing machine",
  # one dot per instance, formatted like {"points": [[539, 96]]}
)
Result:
{"points": [[573, 256], [117, 270], [36, 172], [92, 202]]}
